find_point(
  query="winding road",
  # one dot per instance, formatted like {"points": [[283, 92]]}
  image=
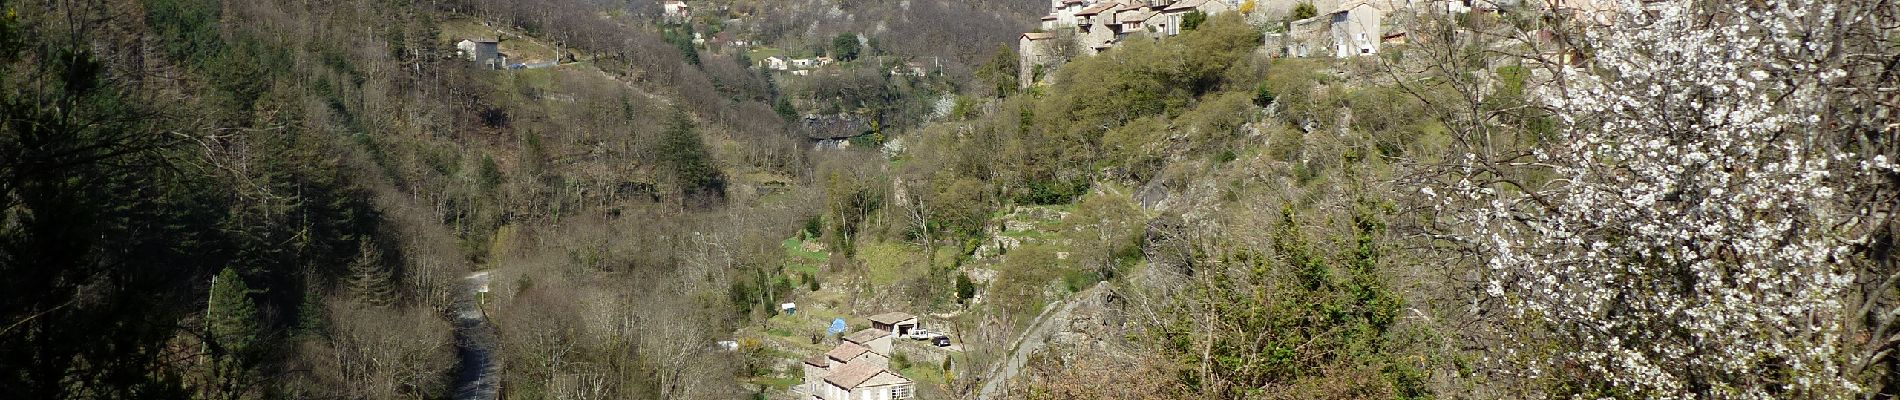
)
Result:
{"points": [[1029, 343], [477, 377]]}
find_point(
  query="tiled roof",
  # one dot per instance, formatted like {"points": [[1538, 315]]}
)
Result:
{"points": [[866, 336], [1098, 8], [818, 360], [1185, 4], [855, 374], [1134, 16], [896, 317], [846, 351]]}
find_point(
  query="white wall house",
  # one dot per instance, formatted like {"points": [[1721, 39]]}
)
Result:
{"points": [[484, 52], [894, 322], [1356, 30], [1174, 15]]}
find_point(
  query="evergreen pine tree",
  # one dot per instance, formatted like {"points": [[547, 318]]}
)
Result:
{"points": [[699, 181], [371, 282], [233, 328], [310, 312]]}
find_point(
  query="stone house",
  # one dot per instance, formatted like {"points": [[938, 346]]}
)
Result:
{"points": [[848, 352], [1306, 37], [1174, 15], [484, 52], [897, 323], [1089, 27], [866, 382], [1034, 49], [1095, 28], [877, 340], [1355, 29], [1065, 11], [858, 368], [1133, 21], [777, 63]]}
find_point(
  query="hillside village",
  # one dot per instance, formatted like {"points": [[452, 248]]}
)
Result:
{"points": [[1338, 28]]}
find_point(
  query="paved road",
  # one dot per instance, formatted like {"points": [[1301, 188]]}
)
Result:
{"points": [[478, 376], [1029, 343]]}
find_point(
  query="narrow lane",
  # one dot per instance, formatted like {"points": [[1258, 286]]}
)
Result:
{"points": [[1028, 344], [478, 375]]}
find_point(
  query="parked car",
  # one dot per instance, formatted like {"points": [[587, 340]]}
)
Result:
{"points": [[921, 334], [940, 341]]}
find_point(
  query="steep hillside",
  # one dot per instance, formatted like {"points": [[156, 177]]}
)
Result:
{"points": [[290, 199], [345, 169]]}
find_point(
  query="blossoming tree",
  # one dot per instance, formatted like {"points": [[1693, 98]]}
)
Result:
{"points": [[1714, 217]]}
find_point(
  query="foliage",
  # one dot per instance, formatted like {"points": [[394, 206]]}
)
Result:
{"points": [[961, 206], [1002, 72], [1024, 278], [681, 37], [1193, 20], [370, 280], [1138, 79], [188, 28], [1263, 95], [698, 179], [1303, 10], [1267, 322], [1697, 234], [233, 330], [845, 47], [966, 289]]}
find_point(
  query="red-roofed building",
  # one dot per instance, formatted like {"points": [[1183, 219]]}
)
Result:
{"points": [[859, 367]]}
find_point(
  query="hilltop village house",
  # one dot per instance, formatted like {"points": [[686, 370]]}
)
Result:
{"points": [[484, 52], [859, 367], [1088, 27], [894, 322], [1353, 28]]}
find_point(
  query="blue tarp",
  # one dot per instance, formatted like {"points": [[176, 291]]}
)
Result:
{"points": [[837, 326]]}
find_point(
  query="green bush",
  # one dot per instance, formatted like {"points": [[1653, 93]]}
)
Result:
{"points": [[1311, 318], [1262, 95], [966, 289], [845, 47]]}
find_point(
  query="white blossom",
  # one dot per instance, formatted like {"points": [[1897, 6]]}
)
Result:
{"points": [[1682, 248]]}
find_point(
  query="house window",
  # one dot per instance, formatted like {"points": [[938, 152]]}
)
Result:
{"points": [[1365, 50], [901, 392]]}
